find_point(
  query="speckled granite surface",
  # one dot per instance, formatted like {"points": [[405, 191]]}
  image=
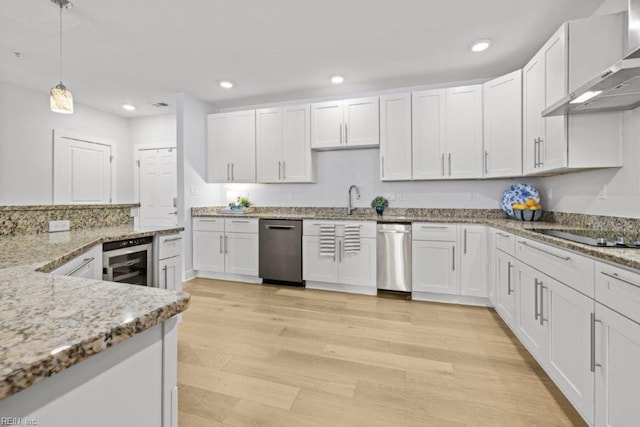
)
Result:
{"points": [[48, 323], [493, 217], [35, 219]]}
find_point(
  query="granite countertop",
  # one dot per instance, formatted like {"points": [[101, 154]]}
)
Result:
{"points": [[49, 323], [494, 218]]}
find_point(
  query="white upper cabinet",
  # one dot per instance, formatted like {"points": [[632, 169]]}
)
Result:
{"points": [[231, 147], [577, 52], [283, 144], [428, 134], [352, 123], [464, 131], [395, 137], [502, 99]]}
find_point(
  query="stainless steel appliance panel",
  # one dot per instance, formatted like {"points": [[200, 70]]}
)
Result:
{"points": [[394, 257], [280, 246], [128, 261]]}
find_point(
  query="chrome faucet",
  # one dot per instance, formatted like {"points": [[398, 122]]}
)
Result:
{"points": [[349, 207]]}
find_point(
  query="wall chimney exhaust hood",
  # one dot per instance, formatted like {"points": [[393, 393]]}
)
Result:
{"points": [[614, 89]]}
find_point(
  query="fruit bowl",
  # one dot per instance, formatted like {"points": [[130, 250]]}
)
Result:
{"points": [[527, 214]]}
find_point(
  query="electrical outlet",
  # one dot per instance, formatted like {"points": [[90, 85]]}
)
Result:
{"points": [[55, 226], [471, 195], [402, 196], [602, 195], [549, 193], [390, 196]]}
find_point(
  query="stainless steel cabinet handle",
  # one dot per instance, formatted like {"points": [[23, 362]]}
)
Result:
{"points": [[239, 221], [442, 164], [535, 153], [486, 162], [502, 234], [540, 162], [341, 133], [226, 249], [453, 258], [279, 227], [542, 319], [339, 250], [232, 172], [618, 277], [593, 342], [221, 243], [382, 167], [434, 227], [535, 292], [465, 241], [228, 174], [284, 170], [509, 266], [449, 164], [165, 277], [346, 134], [207, 220], [85, 262], [173, 239], [279, 170], [564, 258]]}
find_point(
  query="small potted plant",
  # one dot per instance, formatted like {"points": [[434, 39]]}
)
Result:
{"points": [[243, 202], [379, 203]]}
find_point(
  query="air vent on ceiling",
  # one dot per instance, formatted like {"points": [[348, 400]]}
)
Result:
{"points": [[160, 104]]}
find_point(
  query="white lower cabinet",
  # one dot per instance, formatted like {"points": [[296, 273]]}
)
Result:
{"points": [[531, 327], [169, 262], [505, 298], [473, 260], [434, 267], [350, 272], [226, 248], [87, 265]]}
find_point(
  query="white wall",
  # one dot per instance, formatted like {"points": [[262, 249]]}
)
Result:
{"points": [[192, 188], [26, 147], [153, 130], [611, 6]]}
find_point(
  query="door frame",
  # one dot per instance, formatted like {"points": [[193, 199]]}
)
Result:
{"points": [[137, 148], [60, 134]]}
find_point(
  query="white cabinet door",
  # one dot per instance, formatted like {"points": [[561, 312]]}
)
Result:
{"points": [[362, 122], [243, 146], [269, 144], [464, 132], [395, 137], [208, 251], [531, 327], [428, 134], [434, 267], [359, 268], [327, 124], [170, 271], [219, 141], [87, 265], [533, 122], [315, 267], [570, 343], [502, 98], [297, 164], [617, 371], [506, 284], [473, 260], [241, 253]]}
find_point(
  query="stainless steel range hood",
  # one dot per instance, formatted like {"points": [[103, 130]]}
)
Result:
{"points": [[614, 89]]}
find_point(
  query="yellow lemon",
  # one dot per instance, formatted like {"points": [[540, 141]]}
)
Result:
{"points": [[519, 206], [531, 202], [535, 208]]}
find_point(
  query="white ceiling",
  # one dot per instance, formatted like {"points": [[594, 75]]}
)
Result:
{"points": [[144, 51]]}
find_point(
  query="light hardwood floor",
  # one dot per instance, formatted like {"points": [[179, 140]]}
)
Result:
{"points": [[267, 355]]}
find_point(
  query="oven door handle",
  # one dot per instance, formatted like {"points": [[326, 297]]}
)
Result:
{"points": [[109, 274]]}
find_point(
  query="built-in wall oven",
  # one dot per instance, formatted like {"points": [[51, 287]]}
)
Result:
{"points": [[128, 261]]}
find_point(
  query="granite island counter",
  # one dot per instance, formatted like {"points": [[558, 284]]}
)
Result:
{"points": [[73, 349]]}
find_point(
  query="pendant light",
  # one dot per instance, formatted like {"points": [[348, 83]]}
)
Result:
{"points": [[61, 99]]}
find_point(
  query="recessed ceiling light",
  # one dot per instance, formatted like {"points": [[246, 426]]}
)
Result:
{"points": [[225, 84], [129, 107], [481, 45], [337, 79]]}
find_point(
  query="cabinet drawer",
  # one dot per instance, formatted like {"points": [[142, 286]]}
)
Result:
{"points": [[88, 265], [312, 227], [619, 289], [506, 242], [243, 225], [169, 246], [567, 267], [208, 224], [434, 231]]}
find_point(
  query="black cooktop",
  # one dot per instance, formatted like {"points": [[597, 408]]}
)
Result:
{"points": [[600, 238]]}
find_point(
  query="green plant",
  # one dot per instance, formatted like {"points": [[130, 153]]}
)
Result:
{"points": [[379, 202], [244, 201]]}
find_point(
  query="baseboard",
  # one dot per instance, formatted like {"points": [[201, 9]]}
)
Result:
{"points": [[188, 275], [230, 277], [336, 287], [450, 299]]}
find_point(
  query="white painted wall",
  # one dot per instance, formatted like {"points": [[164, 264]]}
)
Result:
{"points": [[26, 145], [153, 130], [611, 6], [192, 188]]}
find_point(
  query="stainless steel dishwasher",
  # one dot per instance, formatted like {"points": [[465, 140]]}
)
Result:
{"points": [[394, 257], [280, 250]]}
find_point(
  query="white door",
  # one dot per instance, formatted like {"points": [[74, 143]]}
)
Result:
{"points": [[473, 261], [570, 345], [531, 325], [617, 372], [82, 170], [506, 284], [241, 255], [219, 141], [327, 126], [362, 122], [170, 274], [243, 146], [269, 144], [297, 163], [158, 178], [434, 267], [502, 99], [315, 267], [532, 104], [359, 268], [428, 134], [464, 132], [208, 251], [395, 137]]}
